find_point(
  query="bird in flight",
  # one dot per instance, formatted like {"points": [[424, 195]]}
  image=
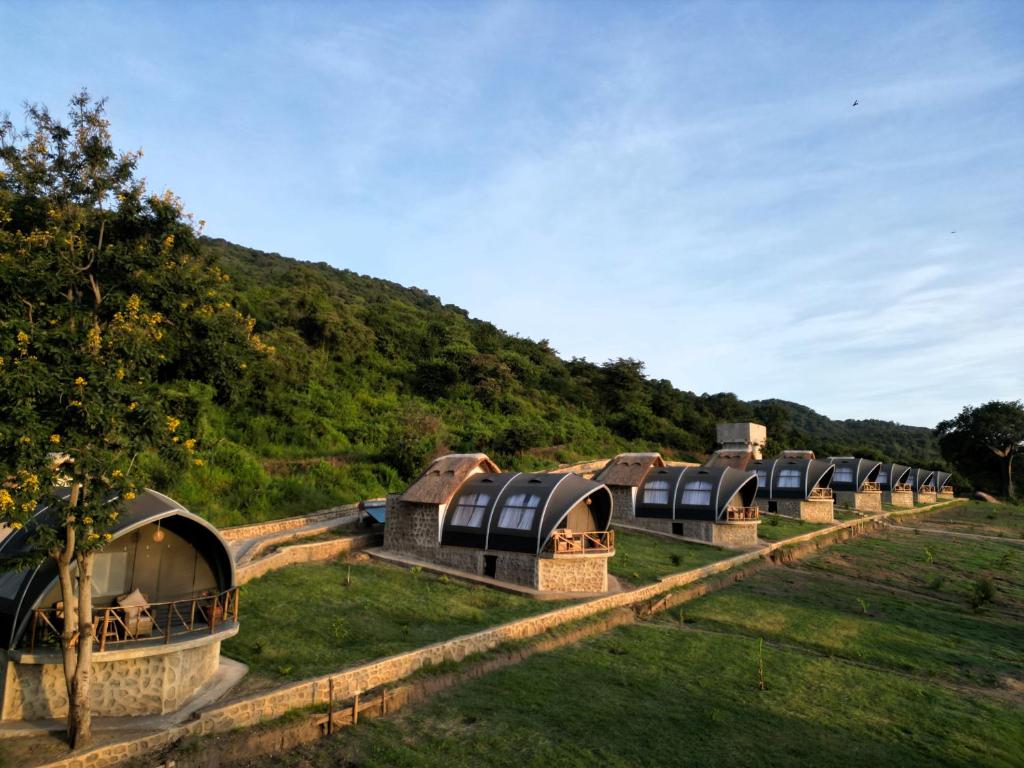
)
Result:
{"points": [[855, 103], [953, 232]]}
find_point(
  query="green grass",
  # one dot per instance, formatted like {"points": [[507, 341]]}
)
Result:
{"points": [[662, 696], [978, 517], [643, 559], [779, 527], [303, 621]]}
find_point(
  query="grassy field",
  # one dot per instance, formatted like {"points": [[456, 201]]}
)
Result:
{"points": [[865, 664], [303, 620], [778, 527], [1001, 520], [642, 559]]}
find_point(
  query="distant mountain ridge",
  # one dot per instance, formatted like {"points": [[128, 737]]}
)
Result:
{"points": [[372, 378]]}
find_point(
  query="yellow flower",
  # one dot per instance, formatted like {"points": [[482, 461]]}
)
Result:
{"points": [[87, 520], [117, 473], [190, 444], [54, 439], [132, 406], [25, 440], [92, 536], [28, 506], [243, 366], [23, 338], [129, 495], [134, 303], [113, 515], [173, 424], [197, 462], [15, 525], [6, 500], [119, 374], [80, 382], [107, 536], [75, 403]]}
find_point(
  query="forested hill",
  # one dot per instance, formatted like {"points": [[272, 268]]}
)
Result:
{"points": [[370, 379]]}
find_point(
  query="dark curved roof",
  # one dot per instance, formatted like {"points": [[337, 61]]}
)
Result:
{"points": [[814, 473], [864, 470], [941, 478], [21, 590], [891, 475], [726, 485], [921, 478], [558, 494]]}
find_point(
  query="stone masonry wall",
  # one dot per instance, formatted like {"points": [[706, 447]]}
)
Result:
{"points": [[145, 685], [862, 501], [622, 503], [925, 497], [902, 499], [816, 511], [305, 553], [582, 573], [259, 707], [516, 567], [411, 528], [257, 530], [466, 559]]}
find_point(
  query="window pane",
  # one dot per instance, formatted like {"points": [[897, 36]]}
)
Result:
{"points": [[519, 511], [883, 476], [843, 475], [697, 493], [789, 478], [762, 478], [469, 510], [656, 492]]}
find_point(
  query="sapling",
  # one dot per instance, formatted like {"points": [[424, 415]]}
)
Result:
{"points": [[762, 685]]}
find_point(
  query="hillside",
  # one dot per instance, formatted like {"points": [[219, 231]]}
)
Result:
{"points": [[370, 379]]}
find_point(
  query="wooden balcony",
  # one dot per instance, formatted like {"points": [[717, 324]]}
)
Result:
{"points": [[819, 494], [116, 626], [565, 542], [742, 514], [946, 490], [867, 485], [902, 488]]}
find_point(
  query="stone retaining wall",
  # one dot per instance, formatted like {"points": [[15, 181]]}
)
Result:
{"points": [[253, 709], [284, 524], [811, 510], [306, 553], [901, 499]]}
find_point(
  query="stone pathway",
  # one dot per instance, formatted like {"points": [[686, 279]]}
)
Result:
{"points": [[245, 550]]}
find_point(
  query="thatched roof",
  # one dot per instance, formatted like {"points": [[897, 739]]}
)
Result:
{"points": [[725, 457], [797, 455], [629, 468], [443, 477]]}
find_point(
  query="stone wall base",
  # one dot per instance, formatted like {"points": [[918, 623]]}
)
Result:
{"points": [[925, 497], [944, 496], [816, 511], [862, 501], [902, 499], [565, 573], [728, 535], [151, 681]]}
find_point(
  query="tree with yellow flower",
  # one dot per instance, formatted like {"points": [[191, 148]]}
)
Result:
{"points": [[100, 287]]}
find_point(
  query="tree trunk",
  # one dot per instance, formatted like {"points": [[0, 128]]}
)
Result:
{"points": [[69, 632], [1008, 480], [79, 710]]}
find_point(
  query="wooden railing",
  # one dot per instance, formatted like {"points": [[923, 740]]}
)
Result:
{"points": [[115, 625], [742, 514], [902, 488], [946, 490], [817, 492], [565, 542], [867, 485]]}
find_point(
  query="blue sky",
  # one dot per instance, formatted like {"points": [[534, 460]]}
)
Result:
{"points": [[684, 183]]}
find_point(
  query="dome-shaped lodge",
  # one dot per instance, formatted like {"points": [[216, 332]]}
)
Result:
{"points": [[716, 494], [164, 597], [892, 476], [519, 512], [791, 478], [852, 474], [921, 480], [540, 530], [940, 480], [157, 547]]}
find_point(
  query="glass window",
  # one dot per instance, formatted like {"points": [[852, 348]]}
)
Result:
{"points": [[697, 493], [762, 478], [843, 475], [519, 511], [883, 476], [789, 478], [469, 510], [656, 492]]}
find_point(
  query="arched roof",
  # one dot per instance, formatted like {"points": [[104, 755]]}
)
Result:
{"points": [[726, 485], [814, 473], [556, 495], [864, 470], [21, 589], [921, 478], [629, 469], [941, 478], [890, 475], [442, 478]]}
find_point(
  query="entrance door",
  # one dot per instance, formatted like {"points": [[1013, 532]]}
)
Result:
{"points": [[677, 529], [491, 565]]}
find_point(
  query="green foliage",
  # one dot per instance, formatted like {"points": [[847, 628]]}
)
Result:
{"points": [[982, 443]]}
